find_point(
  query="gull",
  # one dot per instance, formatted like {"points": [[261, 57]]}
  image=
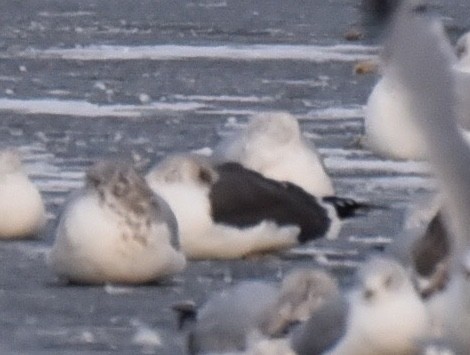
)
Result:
{"points": [[185, 182], [272, 144], [22, 211], [245, 317], [382, 314], [423, 68], [301, 293], [228, 317], [424, 247], [115, 230], [390, 128], [227, 211]]}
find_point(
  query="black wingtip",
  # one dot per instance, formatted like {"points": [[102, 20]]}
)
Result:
{"points": [[186, 312], [347, 207]]}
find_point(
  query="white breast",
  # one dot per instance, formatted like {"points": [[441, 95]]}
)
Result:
{"points": [[22, 212], [95, 245], [191, 206], [390, 130]]}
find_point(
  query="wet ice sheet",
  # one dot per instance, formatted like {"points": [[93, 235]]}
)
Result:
{"points": [[86, 109], [236, 52]]}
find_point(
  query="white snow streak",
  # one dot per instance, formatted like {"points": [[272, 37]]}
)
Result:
{"points": [[311, 53]]}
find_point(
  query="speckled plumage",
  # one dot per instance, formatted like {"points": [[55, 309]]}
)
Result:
{"points": [[115, 230]]}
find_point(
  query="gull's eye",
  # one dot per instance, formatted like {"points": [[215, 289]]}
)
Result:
{"points": [[205, 176]]}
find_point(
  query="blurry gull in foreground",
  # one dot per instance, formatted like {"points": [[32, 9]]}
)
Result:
{"points": [[272, 144], [423, 67], [229, 317], [246, 316], [302, 292], [451, 309], [115, 230], [227, 211], [383, 314], [424, 247], [462, 71], [391, 130], [22, 212]]}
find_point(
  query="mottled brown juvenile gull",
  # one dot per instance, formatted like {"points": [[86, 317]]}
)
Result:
{"points": [[115, 230]]}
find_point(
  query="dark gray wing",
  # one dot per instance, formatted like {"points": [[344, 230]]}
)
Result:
{"points": [[165, 215], [243, 197], [228, 317]]}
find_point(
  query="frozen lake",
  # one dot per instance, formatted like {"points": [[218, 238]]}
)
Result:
{"points": [[86, 80]]}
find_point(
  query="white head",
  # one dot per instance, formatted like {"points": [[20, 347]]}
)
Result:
{"points": [[382, 279], [183, 168], [273, 128], [387, 315]]}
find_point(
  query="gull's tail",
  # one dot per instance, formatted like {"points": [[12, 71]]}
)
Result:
{"points": [[347, 207]]}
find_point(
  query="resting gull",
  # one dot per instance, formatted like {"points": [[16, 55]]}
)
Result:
{"points": [[272, 144], [22, 212], [423, 67], [227, 211], [247, 315], [390, 129], [115, 230], [383, 314]]}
